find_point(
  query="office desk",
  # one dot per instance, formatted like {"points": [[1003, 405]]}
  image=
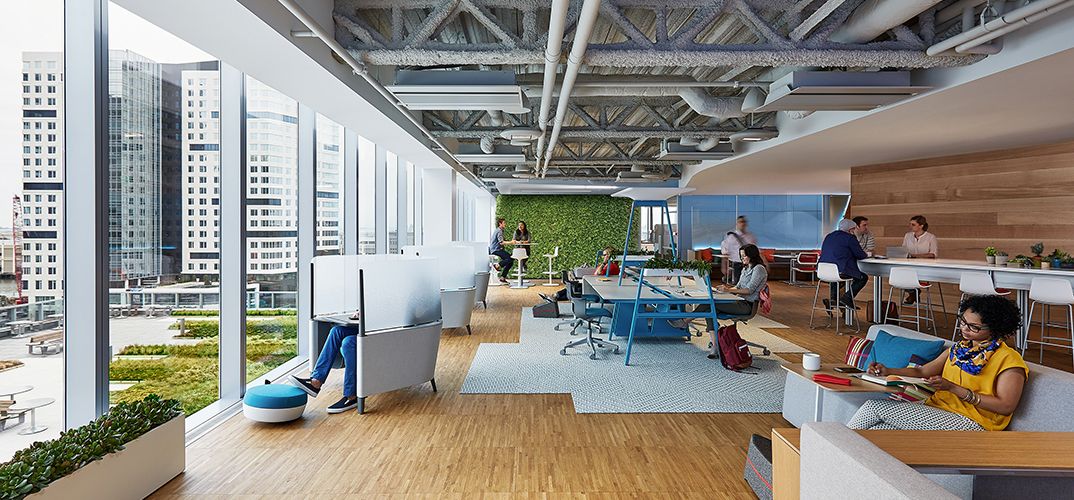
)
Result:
{"points": [[321, 326], [624, 299], [856, 384], [1004, 452], [950, 271]]}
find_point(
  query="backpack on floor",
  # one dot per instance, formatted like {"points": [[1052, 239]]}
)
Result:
{"points": [[766, 300], [734, 353]]}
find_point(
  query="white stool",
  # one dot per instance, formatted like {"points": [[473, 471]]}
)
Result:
{"points": [[550, 272], [1050, 292], [827, 274], [519, 254], [974, 283], [905, 280]]}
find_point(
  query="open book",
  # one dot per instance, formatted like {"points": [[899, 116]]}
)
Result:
{"points": [[894, 380]]}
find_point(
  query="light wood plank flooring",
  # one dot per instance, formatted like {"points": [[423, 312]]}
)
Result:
{"points": [[415, 443]]}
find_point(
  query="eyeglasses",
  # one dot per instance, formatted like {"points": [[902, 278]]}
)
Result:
{"points": [[973, 327]]}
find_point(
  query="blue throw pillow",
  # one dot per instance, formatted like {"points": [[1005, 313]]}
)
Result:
{"points": [[895, 352]]}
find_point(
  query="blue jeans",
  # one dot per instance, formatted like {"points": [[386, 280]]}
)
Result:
{"points": [[340, 339], [505, 262]]}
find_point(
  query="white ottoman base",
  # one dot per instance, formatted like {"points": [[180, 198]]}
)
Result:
{"points": [[272, 415]]}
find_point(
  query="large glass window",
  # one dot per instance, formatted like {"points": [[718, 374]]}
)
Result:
{"points": [[329, 173], [163, 215], [779, 221], [392, 169], [367, 196], [271, 228], [411, 208], [32, 194]]}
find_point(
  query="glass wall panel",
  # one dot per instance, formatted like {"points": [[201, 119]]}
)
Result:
{"points": [[367, 196], [32, 193], [392, 169], [329, 199], [411, 205], [163, 214], [271, 228], [779, 221]]}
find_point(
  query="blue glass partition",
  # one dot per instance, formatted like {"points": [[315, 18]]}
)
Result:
{"points": [[779, 221]]}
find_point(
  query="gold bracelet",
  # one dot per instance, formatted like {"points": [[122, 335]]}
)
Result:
{"points": [[976, 399]]}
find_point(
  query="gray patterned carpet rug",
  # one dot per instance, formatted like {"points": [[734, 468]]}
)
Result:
{"points": [[665, 376]]}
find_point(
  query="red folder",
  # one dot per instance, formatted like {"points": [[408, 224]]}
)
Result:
{"points": [[830, 379]]}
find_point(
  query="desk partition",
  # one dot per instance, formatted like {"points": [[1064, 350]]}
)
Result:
{"points": [[391, 291], [455, 263]]}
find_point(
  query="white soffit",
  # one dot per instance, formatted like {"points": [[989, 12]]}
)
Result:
{"points": [[652, 194]]}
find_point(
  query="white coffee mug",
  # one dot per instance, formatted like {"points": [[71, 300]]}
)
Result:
{"points": [[811, 361]]}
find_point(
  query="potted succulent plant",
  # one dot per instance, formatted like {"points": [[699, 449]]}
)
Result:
{"points": [[1056, 258], [1001, 258], [990, 255], [1037, 249], [1068, 262]]}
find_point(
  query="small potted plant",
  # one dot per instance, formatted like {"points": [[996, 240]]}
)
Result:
{"points": [[1001, 258], [1068, 262], [1056, 258], [990, 255], [1037, 249]]}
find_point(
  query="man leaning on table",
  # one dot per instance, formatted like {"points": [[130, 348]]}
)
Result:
{"points": [[841, 248]]}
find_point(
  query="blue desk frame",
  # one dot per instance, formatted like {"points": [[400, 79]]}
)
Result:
{"points": [[665, 215], [669, 307]]}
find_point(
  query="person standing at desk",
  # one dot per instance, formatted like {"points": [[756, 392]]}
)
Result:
{"points": [[841, 248], [735, 240], [921, 244], [522, 237]]}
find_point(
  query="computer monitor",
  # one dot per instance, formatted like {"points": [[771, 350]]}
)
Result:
{"points": [[896, 252]]}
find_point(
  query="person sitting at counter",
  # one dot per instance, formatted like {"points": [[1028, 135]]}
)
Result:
{"points": [[753, 279], [864, 235], [607, 266], [841, 247], [921, 244], [341, 339], [978, 381]]}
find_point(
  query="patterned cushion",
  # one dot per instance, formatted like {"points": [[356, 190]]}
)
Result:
{"points": [[858, 349]]}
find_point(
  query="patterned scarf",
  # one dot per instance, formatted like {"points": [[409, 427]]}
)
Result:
{"points": [[973, 359]]}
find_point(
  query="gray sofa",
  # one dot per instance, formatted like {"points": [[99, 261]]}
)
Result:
{"points": [[1043, 408], [831, 454]]}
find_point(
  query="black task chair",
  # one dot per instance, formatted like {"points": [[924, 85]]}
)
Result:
{"points": [[590, 317]]}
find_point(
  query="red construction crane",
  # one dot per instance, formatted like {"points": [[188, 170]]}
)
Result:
{"points": [[16, 245]]}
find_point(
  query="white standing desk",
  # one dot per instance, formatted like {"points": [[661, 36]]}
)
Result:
{"points": [[950, 271]]}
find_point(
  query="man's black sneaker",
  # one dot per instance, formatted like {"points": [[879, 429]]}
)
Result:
{"points": [[343, 405], [305, 385]]}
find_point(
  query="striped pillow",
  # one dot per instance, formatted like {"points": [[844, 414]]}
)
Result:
{"points": [[858, 349]]}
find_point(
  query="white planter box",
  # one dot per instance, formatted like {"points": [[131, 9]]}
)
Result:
{"points": [[135, 472], [668, 273]]}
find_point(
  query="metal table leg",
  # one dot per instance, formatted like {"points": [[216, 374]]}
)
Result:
{"points": [[818, 407], [878, 285]]}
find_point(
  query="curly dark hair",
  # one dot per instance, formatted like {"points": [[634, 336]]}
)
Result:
{"points": [[1001, 316]]}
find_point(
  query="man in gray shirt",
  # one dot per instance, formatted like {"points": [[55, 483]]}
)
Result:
{"points": [[496, 242], [865, 237]]}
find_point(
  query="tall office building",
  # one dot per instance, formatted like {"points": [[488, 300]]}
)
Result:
{"points": [[134, 174], [329, 186], [42, 175]]}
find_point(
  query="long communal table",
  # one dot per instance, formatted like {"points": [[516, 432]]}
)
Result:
{"points": [[626, 297], [950, 271]]}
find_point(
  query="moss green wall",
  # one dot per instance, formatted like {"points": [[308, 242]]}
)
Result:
{"points": [[580, 224]]}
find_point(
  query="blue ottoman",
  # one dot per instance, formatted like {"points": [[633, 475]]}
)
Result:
{"points": [[274, 403]]}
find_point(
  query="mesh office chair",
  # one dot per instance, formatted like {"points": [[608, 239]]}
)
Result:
{"points": [[590, 316]]}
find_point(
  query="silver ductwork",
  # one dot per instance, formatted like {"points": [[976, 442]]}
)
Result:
{"points": [[875, 17], [487, 146], [720, 108], [1006, 23]]}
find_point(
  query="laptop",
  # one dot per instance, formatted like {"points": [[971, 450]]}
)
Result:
{"points": [[896, 252]]}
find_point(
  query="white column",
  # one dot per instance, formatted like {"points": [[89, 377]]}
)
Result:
{"points": [[233, 176], [381, 199], [85, 215], [349, 207], [307, 221]]}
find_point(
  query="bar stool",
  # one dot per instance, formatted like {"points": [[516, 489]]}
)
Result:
{"points": [[1050, 292], [520, 254], [905, 280], [975, 283], [550, 272], [828, 273]]}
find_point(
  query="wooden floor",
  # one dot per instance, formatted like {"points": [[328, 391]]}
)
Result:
{"points": [[416, 443]]}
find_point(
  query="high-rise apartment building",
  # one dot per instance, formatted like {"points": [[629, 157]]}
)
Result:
{"points": [[329, 186], [42, 175], [200, 129]]}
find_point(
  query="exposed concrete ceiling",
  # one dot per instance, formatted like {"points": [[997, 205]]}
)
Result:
{"points": [[1022, 96]]}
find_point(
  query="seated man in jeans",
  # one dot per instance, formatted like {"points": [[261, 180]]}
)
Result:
{"points": [[842, 248], [496, 243], [341, 339]]}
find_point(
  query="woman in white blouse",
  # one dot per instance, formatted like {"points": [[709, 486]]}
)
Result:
{"points": [[921, 244], [919, 241]]}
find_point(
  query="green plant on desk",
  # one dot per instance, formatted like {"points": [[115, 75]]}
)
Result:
{"points": [[990, 251], [668, 261], [1037, 249]]}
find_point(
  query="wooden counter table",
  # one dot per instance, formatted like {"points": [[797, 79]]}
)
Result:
{"points": [[1006, 452]]}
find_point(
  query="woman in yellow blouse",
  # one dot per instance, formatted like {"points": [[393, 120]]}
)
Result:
{"points": [[978, 381]]}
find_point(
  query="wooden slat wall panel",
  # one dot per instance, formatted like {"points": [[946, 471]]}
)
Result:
{"points": [[1009, 199]]}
